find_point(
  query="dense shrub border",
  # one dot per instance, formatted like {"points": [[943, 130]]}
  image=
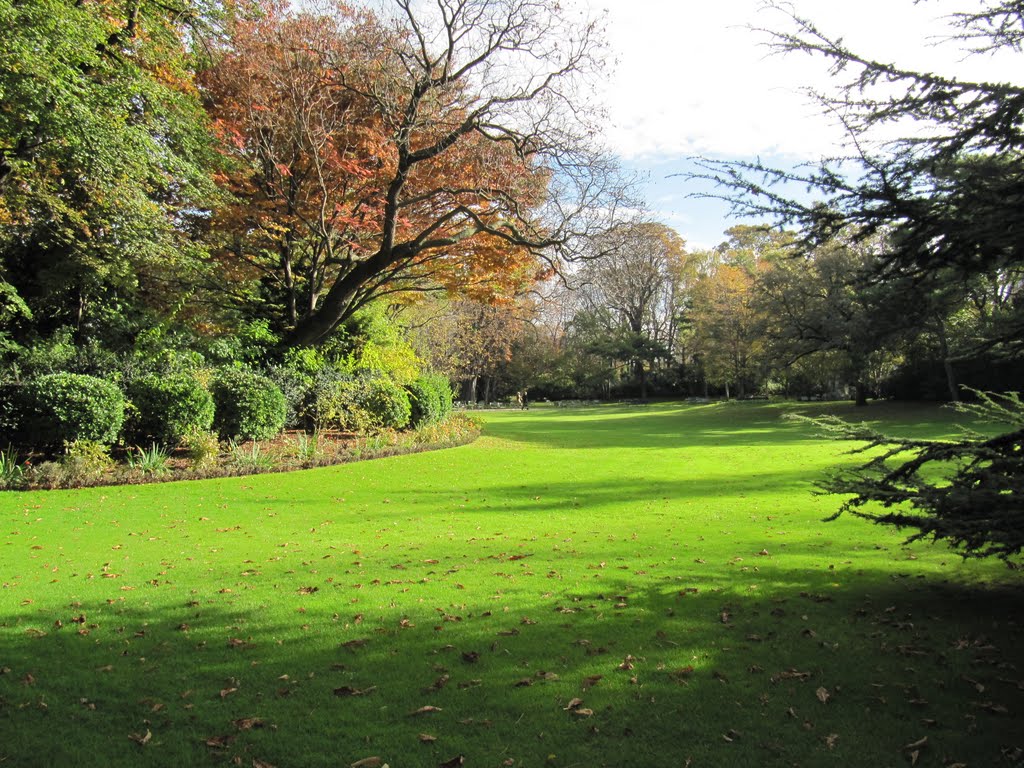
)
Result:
{"points": [[284, 453]]}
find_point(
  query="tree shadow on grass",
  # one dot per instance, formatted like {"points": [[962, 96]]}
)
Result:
{"points": [[607, 673]]}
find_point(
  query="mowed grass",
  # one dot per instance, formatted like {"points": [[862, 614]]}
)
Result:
{"points": [[606, 586]]}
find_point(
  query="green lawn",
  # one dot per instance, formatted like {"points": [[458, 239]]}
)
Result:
{"points": [[621, 586]]}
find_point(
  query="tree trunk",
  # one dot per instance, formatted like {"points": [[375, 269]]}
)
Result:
{"points": [[947, 365], [860, 394], [727, 396]]}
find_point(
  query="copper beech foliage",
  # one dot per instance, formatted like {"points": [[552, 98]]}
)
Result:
{"points": [[444, 148]]}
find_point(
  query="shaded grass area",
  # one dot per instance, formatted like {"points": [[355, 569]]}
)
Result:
{"points": [[666, 566]]}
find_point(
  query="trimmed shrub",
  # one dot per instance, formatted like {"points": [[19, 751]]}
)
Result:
{"points": [[431, 399], [247, 406], [67, 407], [169, 408], [358, 405], [385, 403]]}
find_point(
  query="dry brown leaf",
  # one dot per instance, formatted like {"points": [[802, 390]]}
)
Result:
{"points": [[831, 739], [583, 712], [225, 692], [919, 744], [590, 682], [347, 690], [425, 710], [426, 738], [142, 739], [368, 762], [248, 723], [573, 704], [257, 763], [308, 590], [219, 742], [823, 694]]}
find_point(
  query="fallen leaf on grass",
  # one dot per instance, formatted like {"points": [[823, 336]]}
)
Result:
{"points": [[590, 682], [248, 723], [425, 710], [831, 739], [823, 695], [307, 590], [790, 674], [426, 738], [219, 742], [732, 735], [257, 763], [583, 712], [573, 704], [992, 707], [225, 692], [347, 690], [142, 739], [368, 762], [919, 744], [438, 684]]}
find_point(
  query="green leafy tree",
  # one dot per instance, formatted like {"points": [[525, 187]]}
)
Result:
{"points": [[104, 157], [824, 304]]}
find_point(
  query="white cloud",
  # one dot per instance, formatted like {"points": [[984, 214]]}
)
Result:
{"points": [[692, 78]]}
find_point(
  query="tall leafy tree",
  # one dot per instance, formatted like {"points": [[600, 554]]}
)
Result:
{"points": [[824, 304], [104, 155], [630, 296], [949, 196], [483, 153]]}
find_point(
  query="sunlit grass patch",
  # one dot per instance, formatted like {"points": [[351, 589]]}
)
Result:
{"points": [[602, 586]]}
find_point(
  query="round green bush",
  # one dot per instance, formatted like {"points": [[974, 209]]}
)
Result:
{"points": [[169, 408], [385, 402], [247, 406], [66, 407], [431, 399]]}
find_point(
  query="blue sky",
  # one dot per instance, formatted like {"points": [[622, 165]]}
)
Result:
{"points": [[690, 78]]}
